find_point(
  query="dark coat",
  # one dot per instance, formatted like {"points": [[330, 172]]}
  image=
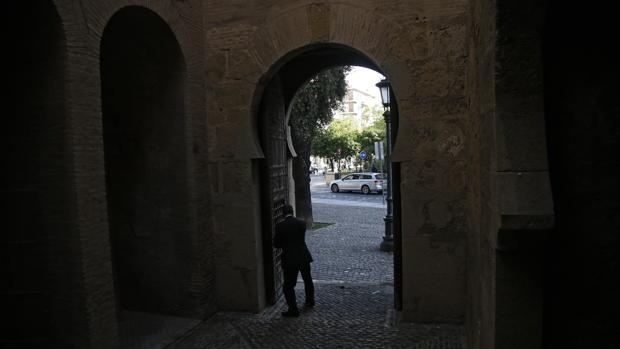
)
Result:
{"points": [[290, 237]]}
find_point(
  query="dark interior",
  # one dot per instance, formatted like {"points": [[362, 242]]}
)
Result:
{"points": [[581, 95], [33, 177], [142, 73]]}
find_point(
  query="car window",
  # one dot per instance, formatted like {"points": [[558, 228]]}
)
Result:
{"points": [[366, 177], [355, 177], [379, 176], [347, 178]]}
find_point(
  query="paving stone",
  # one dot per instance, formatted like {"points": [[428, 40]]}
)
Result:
{"points": [[143, 330], [345, 316], [348, 250], [354, 298]]}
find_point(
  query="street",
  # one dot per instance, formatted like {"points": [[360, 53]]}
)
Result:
{"points": [[322, 195]]}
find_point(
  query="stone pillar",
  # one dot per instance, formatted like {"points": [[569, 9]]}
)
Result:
{"points": [[522, 175], [238, 252]]}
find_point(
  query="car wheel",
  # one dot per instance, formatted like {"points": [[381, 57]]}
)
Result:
{"points": [[365, 189], [335, 188]]}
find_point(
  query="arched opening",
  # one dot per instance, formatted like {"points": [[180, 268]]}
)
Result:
{"points": [[271, 106], [34, 181], [142, 79]]}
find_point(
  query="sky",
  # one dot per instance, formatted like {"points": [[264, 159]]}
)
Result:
{"points": [[365, 79]]}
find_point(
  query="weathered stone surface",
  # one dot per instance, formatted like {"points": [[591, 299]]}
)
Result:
{"points": [[525, 193], [471, 145], [368, 323], [521, 141]]}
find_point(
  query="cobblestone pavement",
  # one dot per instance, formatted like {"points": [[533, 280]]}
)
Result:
{"points": [[354, 298], [139, 330], [345, 316], [348, 250]]}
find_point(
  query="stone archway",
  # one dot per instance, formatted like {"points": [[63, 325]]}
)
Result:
{"points": [[428, 69], [144, 125], [34, 203], [281, 84]]}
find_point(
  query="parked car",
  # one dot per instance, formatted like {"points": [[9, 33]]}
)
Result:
{"points": [[314, 170], [366, 182]]}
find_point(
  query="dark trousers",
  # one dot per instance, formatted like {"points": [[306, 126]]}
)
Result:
{"points": [[290, 280]]}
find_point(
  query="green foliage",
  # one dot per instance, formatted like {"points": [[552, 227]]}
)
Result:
{"points": [[318, 225], [314, 103], [372, 113], [341, 140], [311, 112], [336, 142], [367, 137]]}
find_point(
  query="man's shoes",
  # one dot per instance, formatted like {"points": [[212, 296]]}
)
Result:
{"points": [[309, 304], [291, 313]]}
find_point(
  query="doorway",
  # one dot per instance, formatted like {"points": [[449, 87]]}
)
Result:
{"points": [[142, 78], [272, 104]]}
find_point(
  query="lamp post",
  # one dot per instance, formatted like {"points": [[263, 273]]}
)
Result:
{"points": [[388, 240]]}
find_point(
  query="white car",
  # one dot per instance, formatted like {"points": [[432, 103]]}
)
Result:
{"points": [[314, 170], [366, 182]]}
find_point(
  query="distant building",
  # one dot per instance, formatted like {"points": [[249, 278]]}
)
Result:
{"points": [[358, 105]]}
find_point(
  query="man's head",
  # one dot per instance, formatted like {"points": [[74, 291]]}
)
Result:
{"points": [[287, 210]]}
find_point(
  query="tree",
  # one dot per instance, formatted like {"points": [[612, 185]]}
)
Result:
{"points": [[367, 137], [372, 113], [312, 109], [337, 142]]}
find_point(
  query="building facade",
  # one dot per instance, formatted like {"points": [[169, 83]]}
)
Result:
{"points": [[360, 106]]}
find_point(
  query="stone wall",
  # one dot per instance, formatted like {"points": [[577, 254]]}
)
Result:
{"points": [[475, 199], [483, 200], [81, 282], [524, 191], [583, 251], [421, 47], [35, 205], [512, 205]]}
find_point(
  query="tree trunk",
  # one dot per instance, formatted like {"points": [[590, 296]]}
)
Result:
{"points": [[301, 175]]}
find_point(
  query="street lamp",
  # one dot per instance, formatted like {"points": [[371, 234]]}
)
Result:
{"points": [[388, 240]]}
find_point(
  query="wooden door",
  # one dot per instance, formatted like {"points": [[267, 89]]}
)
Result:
{"points": [[272, 124]]}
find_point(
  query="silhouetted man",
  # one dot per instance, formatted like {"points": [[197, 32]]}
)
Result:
{"points": [[290, 237]]}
